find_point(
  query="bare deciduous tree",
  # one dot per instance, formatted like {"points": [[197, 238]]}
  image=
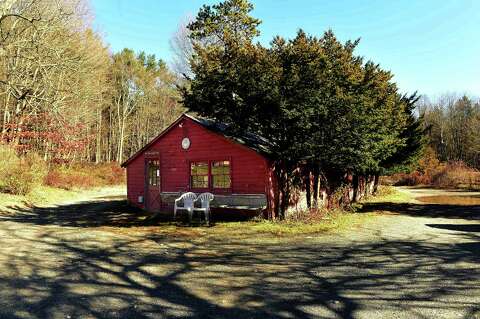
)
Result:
{"points": [[182, 48], [65, 96]]}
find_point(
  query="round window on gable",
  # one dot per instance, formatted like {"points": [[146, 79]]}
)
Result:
{"points": [[186, 143]]}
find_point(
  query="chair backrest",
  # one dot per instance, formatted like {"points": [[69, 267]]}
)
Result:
{"points": [[205, 199], [188, 199]]}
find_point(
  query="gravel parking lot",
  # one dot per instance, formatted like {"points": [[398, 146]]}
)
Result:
{"points": [[91, 259]]}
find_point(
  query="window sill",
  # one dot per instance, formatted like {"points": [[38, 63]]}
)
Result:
{"points": [[215, 190]]}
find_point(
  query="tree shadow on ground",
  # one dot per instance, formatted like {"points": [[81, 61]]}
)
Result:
{"points": [[100, 212], [458, 227], [426, 210], [49, 271], [160, 277], [107, 211]]}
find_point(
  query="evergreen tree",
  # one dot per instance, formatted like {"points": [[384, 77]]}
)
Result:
{"points": [[323, 109]]}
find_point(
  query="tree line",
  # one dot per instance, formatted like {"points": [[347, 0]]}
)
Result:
{"points": [[452, 123], [335, 121], [65, 96]]}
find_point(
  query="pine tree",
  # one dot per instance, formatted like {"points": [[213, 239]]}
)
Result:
{"points": [[325, 111]]}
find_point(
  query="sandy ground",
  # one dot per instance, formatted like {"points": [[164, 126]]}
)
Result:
{"points": [[90, 259]]}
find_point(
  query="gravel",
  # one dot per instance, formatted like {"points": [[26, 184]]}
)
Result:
{"points": [[74, 261]]}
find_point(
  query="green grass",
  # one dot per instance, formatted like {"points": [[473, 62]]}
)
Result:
{"points": [[337, 223], [390, 194], [260, 229], [334, 222]]}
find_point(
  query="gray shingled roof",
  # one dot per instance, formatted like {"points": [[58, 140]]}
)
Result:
{"points": [[256, 142]]}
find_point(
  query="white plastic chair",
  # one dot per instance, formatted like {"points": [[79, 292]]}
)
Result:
{"points": [[205, 199], [188, 200]]}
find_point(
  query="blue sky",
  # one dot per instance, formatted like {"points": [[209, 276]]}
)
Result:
{"points": [[432, 46]]}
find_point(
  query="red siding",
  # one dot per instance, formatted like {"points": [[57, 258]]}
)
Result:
{"points": [[249, 169]]}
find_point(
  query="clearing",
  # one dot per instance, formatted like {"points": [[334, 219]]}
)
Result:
{"points": [[93, 259]]}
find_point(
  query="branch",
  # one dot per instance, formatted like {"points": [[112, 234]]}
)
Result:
{"points": [[14, 15]]}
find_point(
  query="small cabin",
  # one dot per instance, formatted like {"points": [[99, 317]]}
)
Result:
{"points": [[200, 155]]}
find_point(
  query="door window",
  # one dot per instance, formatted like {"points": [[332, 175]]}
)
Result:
{"points": [[153, 173]]}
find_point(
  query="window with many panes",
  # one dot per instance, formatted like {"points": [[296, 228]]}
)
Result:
{"points": [[210, 175], [220, 171], [199, 175], [153, 172]]}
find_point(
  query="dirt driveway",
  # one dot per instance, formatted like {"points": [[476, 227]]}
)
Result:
{"points": [[93, 260]]}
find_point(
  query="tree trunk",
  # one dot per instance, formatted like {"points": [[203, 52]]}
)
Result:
{"points": [[283, 191], [285, 196], [355, 188], [375, 183], [98, 148], [368, 185], [17, 132], [333, 183], [121, 140], [6, 117], [278, 196], [308, 187], [365, 185], [316, 179], [331, 201]]}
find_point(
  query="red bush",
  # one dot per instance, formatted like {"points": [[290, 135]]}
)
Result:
{"points": [[412, 179], [452, 174], [85, 176], [456, 174]]}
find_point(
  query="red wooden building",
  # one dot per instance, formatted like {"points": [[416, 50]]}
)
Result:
{"points": [[199, 155]]}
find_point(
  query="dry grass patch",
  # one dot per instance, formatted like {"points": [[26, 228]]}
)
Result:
{"points": [[38, 196], [256, 229], [162, 229], [43, 196], [334, 222]]}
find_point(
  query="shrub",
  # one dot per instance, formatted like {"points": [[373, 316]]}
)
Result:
{"points": [[9, 168], [37, 168], [110, 173], [9, 159], [85, 175], [412, 179], [456, 174], [384, 190], [66, 178], [18, 175], [311, 216], [452, 174]]}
